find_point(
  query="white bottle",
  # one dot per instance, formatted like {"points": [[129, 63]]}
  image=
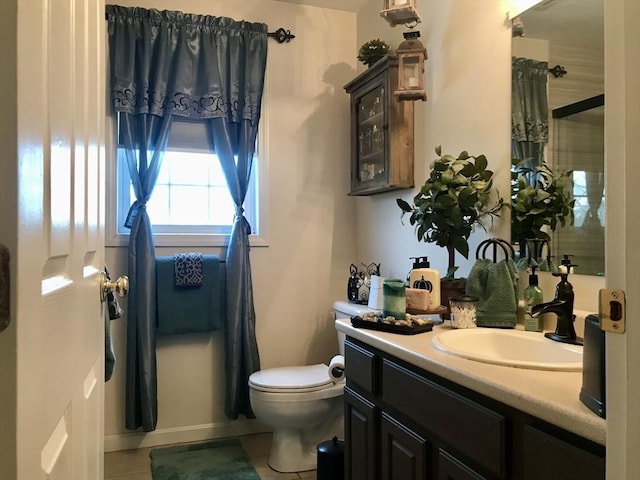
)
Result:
{"points": [[425, 278]]}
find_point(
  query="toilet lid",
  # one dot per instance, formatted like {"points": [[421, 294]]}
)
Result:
{"points": [[292, 379]]}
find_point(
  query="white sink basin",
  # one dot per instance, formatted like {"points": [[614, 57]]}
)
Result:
{"points": [[514, 348]]}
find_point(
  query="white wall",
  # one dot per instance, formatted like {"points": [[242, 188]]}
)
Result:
{"points": [[311, 233], [468, 107]]}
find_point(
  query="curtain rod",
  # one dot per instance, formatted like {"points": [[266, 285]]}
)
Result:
{"points": [[281, 35]]}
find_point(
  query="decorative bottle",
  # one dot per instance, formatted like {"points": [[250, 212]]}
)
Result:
{"points": [[425, 278], [532, 297]]}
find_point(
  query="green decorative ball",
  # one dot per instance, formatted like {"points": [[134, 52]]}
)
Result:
{"points": [[372, 51]]}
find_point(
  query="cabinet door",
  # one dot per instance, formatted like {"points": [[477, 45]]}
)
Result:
{"points": [[371, 129], [360, 437], [470, 428], [550, 458], [450, 468], [404, 454]]}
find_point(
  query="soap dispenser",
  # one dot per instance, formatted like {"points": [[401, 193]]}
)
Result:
{"points": [[565, 264], [532, 297], [425, 278]]}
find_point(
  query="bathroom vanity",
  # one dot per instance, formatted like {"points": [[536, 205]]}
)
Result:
{"points": [[414, 412]]}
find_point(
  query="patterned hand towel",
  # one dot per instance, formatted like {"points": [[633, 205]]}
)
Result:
{"points": [[188, 267], [496, 286]]}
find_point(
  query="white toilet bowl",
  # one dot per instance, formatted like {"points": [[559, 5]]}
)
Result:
{"points": [[303, 406]]}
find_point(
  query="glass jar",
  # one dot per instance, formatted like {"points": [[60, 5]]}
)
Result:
{"points": [[394, 301], [463, 311]]}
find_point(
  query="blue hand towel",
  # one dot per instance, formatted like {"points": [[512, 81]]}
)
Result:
{"points": [[496, 286], [194, 309]]}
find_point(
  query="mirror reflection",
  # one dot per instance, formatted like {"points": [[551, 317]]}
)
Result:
{"points": [[578, 133], [558, 121]]}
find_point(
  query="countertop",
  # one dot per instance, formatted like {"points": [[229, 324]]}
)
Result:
{"points": [[549, 395]]}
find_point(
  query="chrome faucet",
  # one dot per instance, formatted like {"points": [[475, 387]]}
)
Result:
{"points": [[562, 306]]}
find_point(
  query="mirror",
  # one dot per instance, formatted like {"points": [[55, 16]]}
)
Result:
{"points": [[569, 36]]}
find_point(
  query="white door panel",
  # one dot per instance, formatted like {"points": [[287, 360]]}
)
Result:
{"points": [[52, 356]]}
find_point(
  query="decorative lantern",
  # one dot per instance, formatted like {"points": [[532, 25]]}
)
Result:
{"points": [[411, 56], [400, 12]]}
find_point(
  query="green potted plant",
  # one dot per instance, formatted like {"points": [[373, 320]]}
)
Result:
{"points": [[541, 201], [372, 51], [457, 196]]}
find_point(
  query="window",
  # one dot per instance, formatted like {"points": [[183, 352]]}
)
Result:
{"points": [[581, 196], [191, 204]]}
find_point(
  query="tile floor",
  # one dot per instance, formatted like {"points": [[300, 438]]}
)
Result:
{"points": [[135, 464]]}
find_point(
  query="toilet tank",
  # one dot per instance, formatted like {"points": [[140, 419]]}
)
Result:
{"points": [[344, 309]]}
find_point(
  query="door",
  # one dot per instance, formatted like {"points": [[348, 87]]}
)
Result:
{"points": [[51, 217], [622, 262]]}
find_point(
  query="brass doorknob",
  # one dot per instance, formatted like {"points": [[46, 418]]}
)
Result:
{"points": [[120, 286]]}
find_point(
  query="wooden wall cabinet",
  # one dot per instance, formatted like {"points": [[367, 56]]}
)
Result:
{"points": [[381, 131], [403, 423]]}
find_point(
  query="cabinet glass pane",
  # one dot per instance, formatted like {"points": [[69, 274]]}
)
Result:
{"points": [[371, 136]]}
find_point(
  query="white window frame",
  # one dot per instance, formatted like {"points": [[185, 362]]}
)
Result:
{"points": [[188, 236]]}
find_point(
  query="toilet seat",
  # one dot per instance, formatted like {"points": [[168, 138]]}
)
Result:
{"points": [[309, 378]]}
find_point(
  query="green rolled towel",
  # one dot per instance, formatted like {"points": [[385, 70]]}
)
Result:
{"points": [[496, 286]]}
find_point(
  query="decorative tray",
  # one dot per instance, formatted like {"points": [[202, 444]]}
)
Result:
{"points": [[358, 322]]}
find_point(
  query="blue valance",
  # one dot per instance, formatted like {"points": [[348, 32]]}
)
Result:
{"points": [[187, 65]]}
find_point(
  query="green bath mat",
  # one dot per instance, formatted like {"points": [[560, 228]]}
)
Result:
{"points": [[214, 460]]}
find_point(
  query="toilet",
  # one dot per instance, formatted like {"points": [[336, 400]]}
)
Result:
{"points": [[303, 406]]}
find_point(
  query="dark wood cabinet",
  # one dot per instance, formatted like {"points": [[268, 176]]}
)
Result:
{"points": [[450, 468], [404, 454], [381, 131], [404, 423], [361, 422], [551, 458]]}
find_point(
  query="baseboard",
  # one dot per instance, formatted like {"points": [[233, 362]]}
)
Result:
{"points": [[192, 433]]}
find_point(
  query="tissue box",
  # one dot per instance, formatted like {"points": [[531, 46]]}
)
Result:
{"points": [[417, 299]]}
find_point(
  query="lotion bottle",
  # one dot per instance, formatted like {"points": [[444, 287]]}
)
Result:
{"points": [[532, 297], [426, 278]]}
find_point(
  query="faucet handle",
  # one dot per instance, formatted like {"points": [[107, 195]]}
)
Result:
{"points": [[566, 265]]}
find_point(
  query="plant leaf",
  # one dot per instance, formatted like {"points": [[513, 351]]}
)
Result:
{"points": [[404, 206], [481, 163], [439, 166], [461, 245]]}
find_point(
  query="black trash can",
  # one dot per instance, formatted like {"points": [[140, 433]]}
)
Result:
{"points": [[331, 460]]}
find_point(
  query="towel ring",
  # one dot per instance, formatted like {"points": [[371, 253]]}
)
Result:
{"points": [[505, 247]]}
